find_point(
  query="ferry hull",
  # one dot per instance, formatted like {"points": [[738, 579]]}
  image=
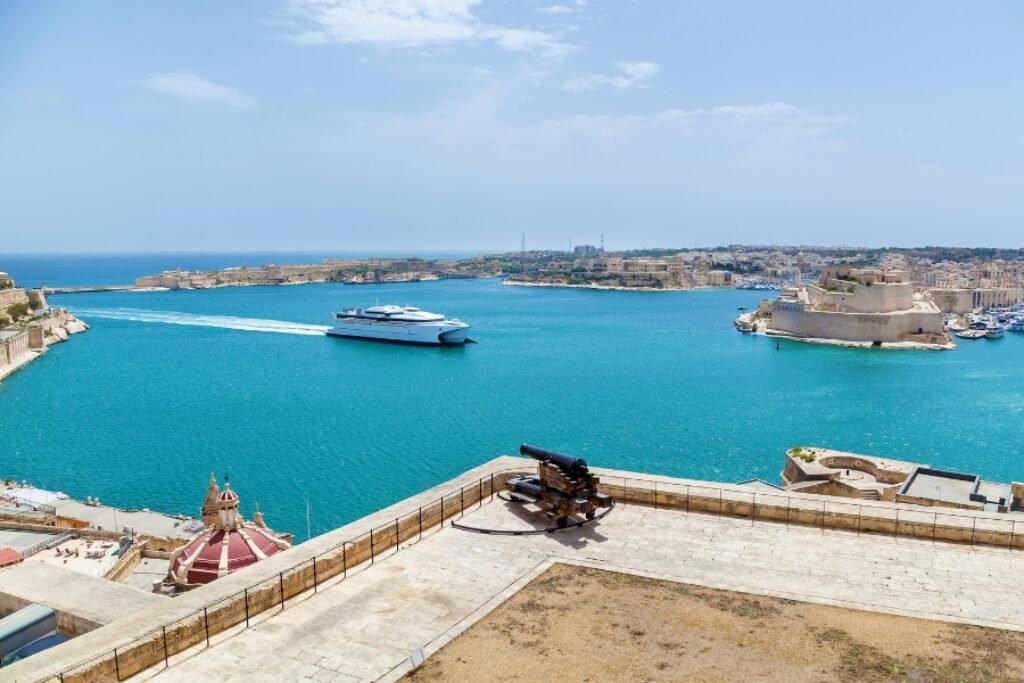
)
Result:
{"points": [[429, 335]]}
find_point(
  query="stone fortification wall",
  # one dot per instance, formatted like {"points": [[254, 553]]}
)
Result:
{"points": [[878, 298], [9, 297], [856, 327]]}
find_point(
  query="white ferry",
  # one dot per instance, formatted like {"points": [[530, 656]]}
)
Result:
{"points": [[405, 324]]}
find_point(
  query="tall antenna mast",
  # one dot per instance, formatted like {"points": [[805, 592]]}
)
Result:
{"points": [[602, 241]]}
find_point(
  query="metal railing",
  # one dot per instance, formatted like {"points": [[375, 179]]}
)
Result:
{"points": [[163, 645], [46, 544]]}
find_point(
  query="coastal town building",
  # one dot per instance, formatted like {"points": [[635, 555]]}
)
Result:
{"points": [[13, 345], [859, 306]]}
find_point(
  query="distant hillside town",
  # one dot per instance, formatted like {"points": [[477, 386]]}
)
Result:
{"points": [[959, 279]]}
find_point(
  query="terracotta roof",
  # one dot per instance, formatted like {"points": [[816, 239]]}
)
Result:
{"points": [[9, 556]]}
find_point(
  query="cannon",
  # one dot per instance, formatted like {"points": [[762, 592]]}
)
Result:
{"points": [[563, 486]]}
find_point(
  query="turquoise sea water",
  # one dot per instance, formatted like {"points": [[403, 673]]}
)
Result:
{"points": [[139, 411]]}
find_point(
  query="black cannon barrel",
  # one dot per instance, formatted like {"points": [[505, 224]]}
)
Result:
{"points": [[576, 467]]}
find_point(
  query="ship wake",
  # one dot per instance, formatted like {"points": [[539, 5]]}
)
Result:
{"points": [[225, 322]]}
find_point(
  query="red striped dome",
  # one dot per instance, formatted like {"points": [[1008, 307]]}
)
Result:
{"points": [[227, 545], [218, 552]]}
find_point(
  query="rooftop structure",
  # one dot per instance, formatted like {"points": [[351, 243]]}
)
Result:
{"points": [[854, 475], [927, 486]]}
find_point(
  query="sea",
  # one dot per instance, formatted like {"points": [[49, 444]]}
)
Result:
{"points": [[169, 387]]}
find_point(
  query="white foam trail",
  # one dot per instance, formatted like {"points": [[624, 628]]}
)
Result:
{"points": [[226, 322]]}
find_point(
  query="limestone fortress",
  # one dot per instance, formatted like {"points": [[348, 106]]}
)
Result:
{"points": [[855, 307]]}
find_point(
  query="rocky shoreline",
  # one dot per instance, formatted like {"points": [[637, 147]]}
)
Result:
{"points": [[57, 326]]}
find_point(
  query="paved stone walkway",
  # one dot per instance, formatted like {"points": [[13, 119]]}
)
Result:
{"points": [[366, 627]]}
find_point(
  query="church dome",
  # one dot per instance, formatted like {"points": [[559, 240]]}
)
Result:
{"points": [[230, 543], [218, 552]]}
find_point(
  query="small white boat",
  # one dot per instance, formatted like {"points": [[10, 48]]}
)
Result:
{"points": [[993, 331], [404, 324]]}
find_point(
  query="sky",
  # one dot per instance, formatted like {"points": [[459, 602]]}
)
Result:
{"points": [[465, 124]]}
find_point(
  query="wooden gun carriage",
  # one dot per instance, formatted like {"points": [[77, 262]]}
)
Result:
{"points": [[563, 486]]}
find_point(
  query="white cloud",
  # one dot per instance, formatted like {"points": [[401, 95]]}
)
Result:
{"points": [[412, 23], [564, 9], [191, 87], [630, 75]]}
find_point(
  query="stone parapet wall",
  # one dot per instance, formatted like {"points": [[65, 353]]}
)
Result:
{"points": [[826, 512], [152, 637]]}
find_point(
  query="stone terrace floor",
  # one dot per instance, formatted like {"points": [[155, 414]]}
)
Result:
{"points": [[366, 627]]}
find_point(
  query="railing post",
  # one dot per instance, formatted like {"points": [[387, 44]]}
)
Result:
{"points": [[280, 583], [316, 581], [344, 561], [396, 534], [492, 485], [655, 495], [753, 508], [441, 525], [421, 522], [167, 654], [206, 626], [371, 546], [935, 522], [117, 665], [247, 608], [974, 527], [462, 501], [480, 493]]}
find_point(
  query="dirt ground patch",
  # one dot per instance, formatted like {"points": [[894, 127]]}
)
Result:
{"points": [[579, 624]]}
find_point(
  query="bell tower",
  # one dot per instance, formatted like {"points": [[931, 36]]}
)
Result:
{"points": [[209, 510]]}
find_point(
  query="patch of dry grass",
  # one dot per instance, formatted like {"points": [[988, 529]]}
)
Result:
{"points": [[580, 624]]}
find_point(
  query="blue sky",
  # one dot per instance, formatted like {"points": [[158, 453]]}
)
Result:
{"points": [[461, 124]]}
